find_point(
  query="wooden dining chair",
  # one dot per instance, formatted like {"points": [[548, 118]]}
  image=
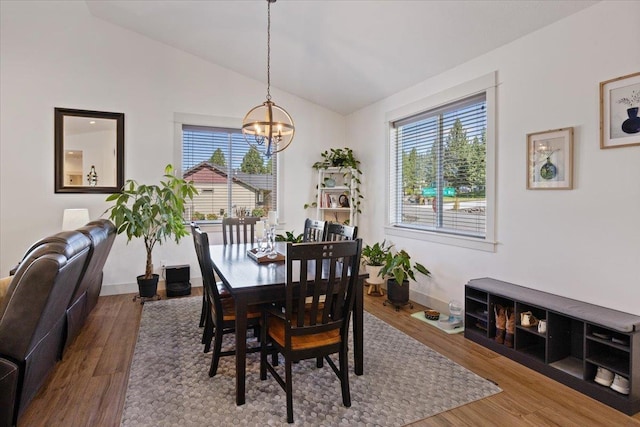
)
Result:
{"points": [[337, 232], [328, 273], [239, 230], [205, 306], [205, 319], [314, 230], [221, 315]]}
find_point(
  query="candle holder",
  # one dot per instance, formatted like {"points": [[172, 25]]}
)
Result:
{"points": [[272, 242]]}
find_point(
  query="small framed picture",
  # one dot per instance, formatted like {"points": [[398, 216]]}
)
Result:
{"points": [[619, 103], [550, 160]]}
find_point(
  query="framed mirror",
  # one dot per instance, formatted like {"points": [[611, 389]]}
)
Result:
{"points": [[89, 151]]}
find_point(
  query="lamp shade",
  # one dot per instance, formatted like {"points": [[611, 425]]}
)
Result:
{"points": [[74, 218], [270, 126]]}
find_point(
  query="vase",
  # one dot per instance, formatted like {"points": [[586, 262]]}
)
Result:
{"points": [[148, 287], [632, 124], [374, 278], [398, 293], [548, 170]]}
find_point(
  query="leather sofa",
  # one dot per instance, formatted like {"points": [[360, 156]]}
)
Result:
{"points": [[50, 295], [102, 233]]}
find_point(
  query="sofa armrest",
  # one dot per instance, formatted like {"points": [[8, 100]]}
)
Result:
{"points": [[8, 391]]}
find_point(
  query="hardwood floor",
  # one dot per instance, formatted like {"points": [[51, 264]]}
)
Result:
{"points": [[88, 387]]}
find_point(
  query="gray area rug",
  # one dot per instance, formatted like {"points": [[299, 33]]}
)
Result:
{"points": [[404, 380]]}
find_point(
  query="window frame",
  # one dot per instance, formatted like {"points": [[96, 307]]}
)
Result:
{"points": [[486, 84], [186, 119]]}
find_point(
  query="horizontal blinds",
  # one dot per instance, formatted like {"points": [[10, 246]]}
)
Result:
{"points": [[440, 168], [230, 176]]}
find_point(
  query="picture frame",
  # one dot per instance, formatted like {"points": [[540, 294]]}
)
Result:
{"points": [[550, 159], [619, 104]]}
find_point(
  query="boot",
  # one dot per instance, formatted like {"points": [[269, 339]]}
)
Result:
{"points": [[511, 327], [501, 321]]}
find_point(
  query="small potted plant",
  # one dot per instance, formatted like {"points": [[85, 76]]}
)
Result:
{"points": [[373, 259], [290, 237], [397, 269], [154, 213]]}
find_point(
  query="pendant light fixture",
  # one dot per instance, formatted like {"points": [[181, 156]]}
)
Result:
{"points": [[268, 125]]}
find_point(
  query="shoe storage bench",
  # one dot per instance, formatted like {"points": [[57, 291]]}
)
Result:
{"points": [[580, 338]]}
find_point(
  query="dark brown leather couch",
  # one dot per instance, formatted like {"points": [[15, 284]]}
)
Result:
{"points": [[102, 233], [51, 294]]}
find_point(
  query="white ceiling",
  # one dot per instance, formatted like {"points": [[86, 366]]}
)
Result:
{"points": [[343, 55]]}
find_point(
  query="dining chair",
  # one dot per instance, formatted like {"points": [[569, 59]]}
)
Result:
{"points": [[337, 232], [314, 230], [205, 320], [221, 315], [328, 273], [239, 230]]}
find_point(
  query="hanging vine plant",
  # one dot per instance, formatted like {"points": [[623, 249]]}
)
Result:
{"points": [[343, 159]]}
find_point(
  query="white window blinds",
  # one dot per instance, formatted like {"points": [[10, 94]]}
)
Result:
{"points": [[231, 177], [438, 169]]}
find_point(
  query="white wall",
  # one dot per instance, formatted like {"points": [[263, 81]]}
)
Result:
{"points": [[583, 243], [55, 54]]}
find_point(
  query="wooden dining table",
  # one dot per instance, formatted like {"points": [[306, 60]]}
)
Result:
{"points": [[251, 282]]}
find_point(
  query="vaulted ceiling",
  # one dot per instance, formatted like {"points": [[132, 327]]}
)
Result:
{"points": [[343, 55]]}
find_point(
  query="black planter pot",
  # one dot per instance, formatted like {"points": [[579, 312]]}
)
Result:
{"points": [[148, 287], [397, 294]]}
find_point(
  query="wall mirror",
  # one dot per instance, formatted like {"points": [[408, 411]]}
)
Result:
{"points": [[89, 151]]}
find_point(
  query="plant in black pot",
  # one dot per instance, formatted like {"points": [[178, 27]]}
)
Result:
{"points": [[374, 257], [153, 213], [398, 270]]}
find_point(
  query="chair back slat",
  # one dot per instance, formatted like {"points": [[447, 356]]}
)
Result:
{"points": [[314, 230], [239, 230], [325, 274]]}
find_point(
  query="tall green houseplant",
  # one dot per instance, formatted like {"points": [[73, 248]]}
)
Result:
{"points": [[152, 212]]}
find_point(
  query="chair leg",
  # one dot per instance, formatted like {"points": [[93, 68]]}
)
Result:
{"points": [[319, 362], [263, 349], [208, 333], [344, 377], [215, 358], [289, 389], [204, 311]]}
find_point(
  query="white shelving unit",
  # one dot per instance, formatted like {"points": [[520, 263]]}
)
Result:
{"points": [[336, 187]]}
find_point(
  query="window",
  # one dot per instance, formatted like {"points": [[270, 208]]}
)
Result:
{"points": [[440, 168], [231, 177]]}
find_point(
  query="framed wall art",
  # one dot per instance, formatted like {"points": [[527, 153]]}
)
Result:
{"points": [[619, 103], [550, 160]]}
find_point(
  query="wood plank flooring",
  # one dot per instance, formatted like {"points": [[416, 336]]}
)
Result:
{"points": [[88, 387]]}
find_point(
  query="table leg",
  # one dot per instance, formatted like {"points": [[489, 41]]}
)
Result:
{"points": [[358, 339], [241, 348]]}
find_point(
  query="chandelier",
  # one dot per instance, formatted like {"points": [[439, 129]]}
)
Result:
{"points": [[268, 125]]}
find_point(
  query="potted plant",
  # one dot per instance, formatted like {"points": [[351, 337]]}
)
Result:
{"points": [[154, 213], [373, 260], [397, 269], [290, 237]]}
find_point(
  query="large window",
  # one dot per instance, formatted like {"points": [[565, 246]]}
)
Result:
{"points": [[439, 169], [231, 177]]}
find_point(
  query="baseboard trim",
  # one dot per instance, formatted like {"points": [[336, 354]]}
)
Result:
{"points": [[132, 288]]}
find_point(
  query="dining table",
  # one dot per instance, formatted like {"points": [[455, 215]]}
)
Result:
{"points": [[251, 281]]}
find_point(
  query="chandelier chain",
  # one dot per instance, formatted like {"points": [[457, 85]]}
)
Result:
{"points": [[268, 50]]}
